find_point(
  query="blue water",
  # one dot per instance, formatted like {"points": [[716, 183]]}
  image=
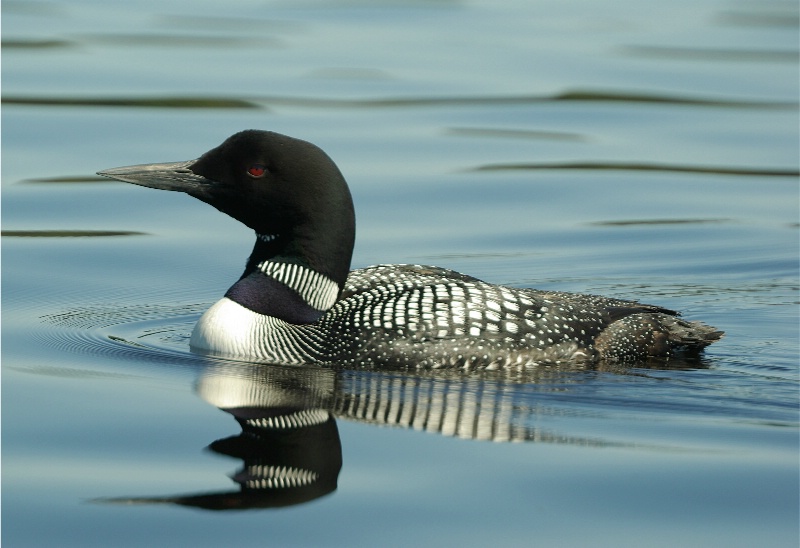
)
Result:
{"points": [[632, 149]]}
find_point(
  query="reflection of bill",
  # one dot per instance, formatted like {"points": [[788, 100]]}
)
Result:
{"points": [[290, 445]]}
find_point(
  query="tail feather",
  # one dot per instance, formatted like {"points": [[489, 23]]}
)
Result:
{"points": [[690, 334], [641, 336]]}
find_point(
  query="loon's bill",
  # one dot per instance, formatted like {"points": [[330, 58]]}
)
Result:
{"points": [[170, 176]]}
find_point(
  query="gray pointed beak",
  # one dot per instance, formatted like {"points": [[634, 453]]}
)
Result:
{"points": [[171, 176]]}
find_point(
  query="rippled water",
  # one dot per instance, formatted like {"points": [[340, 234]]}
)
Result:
{"points": [[632, 149]]}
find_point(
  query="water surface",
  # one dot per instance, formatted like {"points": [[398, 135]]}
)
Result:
{"points": [[636, 150]]}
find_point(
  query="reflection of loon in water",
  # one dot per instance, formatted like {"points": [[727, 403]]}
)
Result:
{"points": [[290, 444]]}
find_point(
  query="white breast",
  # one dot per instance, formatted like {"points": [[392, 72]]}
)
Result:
{"points": [[229, 329]]}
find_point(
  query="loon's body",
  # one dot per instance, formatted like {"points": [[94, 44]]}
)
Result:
{"points": [[297, 301]]}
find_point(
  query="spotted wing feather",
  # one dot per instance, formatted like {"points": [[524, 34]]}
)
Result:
{"points": [[420, 316]]}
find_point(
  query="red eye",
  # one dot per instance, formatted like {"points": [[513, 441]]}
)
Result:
{"points": [[257, 170]]}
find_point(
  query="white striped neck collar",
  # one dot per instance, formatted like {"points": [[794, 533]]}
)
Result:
{"points": [[318, 290]]}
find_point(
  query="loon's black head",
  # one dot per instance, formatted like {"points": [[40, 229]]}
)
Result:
{"points": [[287, 190]]}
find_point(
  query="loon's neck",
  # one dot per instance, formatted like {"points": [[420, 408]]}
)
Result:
{"points": [[281, 283], [301, 257]]}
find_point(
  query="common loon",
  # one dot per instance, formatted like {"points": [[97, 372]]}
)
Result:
{"points": [[297, 301]]}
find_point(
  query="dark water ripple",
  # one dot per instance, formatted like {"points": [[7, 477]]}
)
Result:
{"points": [[66, 179], [708, 54], [68, 233], [36, 44], [634, 166], [787, 17], [149, 333], [577, 96], [649, 222], [493, 133], [156, 40], [133, 102]]}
